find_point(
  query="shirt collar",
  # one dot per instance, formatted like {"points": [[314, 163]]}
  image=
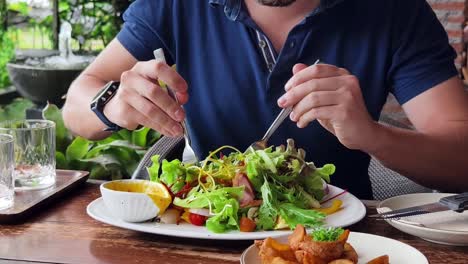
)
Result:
{"points": [[329, 3], [324, 5], [232, 8]]}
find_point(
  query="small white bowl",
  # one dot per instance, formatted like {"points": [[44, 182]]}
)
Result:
{"points": [[128, 206]]}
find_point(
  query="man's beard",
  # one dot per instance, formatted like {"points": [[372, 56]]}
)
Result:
{"points": [[276, 2]]}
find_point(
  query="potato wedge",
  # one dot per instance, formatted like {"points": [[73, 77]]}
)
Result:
{"points": [[278, 246], [384, 259], [258, 243], [300, 254], [341, 261], [297, 237], [350, 253], [304, 257], [279, 260], [271, 249]]}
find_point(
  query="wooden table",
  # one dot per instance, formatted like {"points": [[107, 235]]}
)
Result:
{"points": [[64, 233]]}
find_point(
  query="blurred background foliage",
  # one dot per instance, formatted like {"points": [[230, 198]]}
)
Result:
{"points": [[28, 24], [94, 22]]}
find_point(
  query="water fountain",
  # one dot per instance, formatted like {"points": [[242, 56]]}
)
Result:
{"points": [[45, 75]]}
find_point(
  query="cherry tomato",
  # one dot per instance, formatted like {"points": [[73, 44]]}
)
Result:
{"points": [[247, 225], [196, 219]]}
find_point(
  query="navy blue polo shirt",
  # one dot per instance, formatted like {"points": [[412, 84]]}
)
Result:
{"points": [[235, 76]]}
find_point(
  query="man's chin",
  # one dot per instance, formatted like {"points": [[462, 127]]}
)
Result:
{"points": [[277, 3]]}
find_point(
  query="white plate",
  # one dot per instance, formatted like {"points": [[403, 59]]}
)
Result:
{"points": [[447, 227], [353, 211], [367, 247]]}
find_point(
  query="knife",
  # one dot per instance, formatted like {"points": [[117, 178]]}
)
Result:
{"points": [[457, 203]]}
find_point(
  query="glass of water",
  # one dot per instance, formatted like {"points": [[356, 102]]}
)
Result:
{"points": [[34, 142], [7, 165]]}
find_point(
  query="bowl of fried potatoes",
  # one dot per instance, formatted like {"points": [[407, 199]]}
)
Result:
{"points": [[326, 245]]}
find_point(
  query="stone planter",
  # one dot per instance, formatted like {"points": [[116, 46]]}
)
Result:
{"points": [[38, 83], [7, 95]]}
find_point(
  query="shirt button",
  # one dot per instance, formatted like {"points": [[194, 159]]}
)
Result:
{"points": [[292, 44], [271, 66], [262, 44]]}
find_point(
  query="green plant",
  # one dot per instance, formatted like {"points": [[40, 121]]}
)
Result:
{"points": [[115, 157], [3, 14], [16, 110], [20, 7], [7, 52]]}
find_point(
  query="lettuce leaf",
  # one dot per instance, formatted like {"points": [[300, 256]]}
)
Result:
{"points": [[313, 183], [267, 161], [267, 213], [253, 172], [222, 203], [303, 199], [294, 215], [216, 198], [191, 174], [173, 174], [153, 170], [226, 219], [325, 172], [314, 186]]}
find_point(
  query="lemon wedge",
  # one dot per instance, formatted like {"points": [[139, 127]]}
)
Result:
{"points": [[160, 196], [156, 191]]}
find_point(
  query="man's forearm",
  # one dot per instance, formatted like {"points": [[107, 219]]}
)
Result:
{"points": [[439, 162], [77, 112]]}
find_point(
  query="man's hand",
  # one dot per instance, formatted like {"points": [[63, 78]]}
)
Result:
{"points": [[332, 96], [141, 101]]}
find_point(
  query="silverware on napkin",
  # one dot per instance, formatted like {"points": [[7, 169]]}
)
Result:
{"points": [[457, 203]]}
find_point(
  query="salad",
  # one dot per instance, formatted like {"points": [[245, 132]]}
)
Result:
{"points": [[268, 189]]}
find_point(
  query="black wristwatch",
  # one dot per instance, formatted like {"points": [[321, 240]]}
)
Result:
{"points": [[100, 101]]}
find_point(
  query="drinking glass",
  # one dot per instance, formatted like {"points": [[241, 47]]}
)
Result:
{"points": [[7, 165], [34, 147]]}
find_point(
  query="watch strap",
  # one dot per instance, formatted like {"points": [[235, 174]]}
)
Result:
{"points": [[98, 104]]}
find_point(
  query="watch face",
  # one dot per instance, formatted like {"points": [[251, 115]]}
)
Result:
{"points": [[106, 93], [99, 95]]}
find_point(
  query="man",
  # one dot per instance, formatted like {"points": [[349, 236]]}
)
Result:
{"points": [[240, 61]]}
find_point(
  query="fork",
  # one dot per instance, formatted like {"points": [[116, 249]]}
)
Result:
{"points": [[263, 143], [188, 156]]}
